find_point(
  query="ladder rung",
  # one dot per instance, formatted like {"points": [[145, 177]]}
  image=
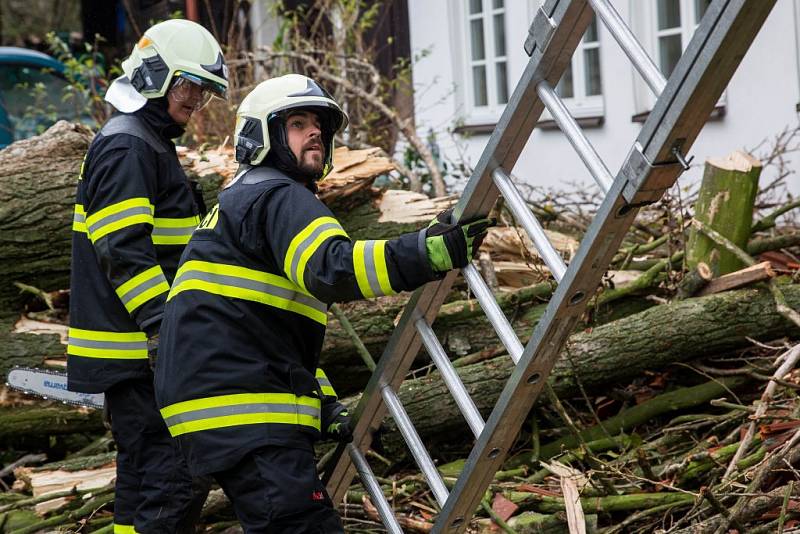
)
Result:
{"points": [[372, 486], [415, 445], [523, 214], [450, 377], [630, 45], [493, 312], [576, 137]]}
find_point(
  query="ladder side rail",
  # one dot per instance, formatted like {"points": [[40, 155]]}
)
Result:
{"points": [[373, 487], [450, 377], [630, 45], [550, 56], [392, 367], [702, 74], [721, 28]]}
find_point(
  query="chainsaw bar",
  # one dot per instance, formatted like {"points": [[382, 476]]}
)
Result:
{"points": [[50, 385]]}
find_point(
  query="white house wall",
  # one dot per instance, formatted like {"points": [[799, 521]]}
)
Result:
{"points": [[759, 103]]}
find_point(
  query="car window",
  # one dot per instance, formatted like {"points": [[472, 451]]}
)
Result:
{"points": [[34, 99]]}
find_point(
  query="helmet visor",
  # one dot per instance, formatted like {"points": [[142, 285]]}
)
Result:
{"points": [[194, 90]]}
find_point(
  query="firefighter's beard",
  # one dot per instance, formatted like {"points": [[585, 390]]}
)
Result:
{"points": [[311, 162]]}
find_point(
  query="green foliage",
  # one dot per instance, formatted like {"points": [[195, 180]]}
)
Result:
{"points": [[88, 78]]}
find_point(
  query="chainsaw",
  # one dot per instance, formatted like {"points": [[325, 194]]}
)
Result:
{"points": [[50, 385]]}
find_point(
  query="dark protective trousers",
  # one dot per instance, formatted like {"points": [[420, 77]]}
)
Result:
{"points": [[276, 490], [154, 492]]}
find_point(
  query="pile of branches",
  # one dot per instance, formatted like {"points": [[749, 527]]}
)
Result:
{"points": [[672, 408]]}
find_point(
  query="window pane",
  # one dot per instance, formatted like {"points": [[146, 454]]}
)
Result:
{"points": [[564, 87], [502, 83], [700, 8], [499, 35], [476, 39], [591, 65], [591, 32], [670, 50], [479, 86], [498, 4], [669, 14], [475, 6]]}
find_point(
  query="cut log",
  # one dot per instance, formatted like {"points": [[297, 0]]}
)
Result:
{"points": [[608, 354], [694, 281], [43, 421], [725, 204], [740, 278]]}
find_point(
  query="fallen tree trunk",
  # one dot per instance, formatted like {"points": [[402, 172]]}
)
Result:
{"points": [[607, 354], [44, 421]]}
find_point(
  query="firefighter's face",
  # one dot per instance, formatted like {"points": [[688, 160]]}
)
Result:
{"points": [[184, 99], [304, 135]]}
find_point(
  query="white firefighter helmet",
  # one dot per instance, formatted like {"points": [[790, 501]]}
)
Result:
{"points": [[174, 48], [263, 111]]}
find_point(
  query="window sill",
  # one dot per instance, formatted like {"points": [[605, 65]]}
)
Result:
{"points": [[717, 114], [546, 124]]}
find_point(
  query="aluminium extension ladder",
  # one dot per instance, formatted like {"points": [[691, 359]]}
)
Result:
{"points": [[651, 167]]}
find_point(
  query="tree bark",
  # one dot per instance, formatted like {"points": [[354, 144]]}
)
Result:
{"points": [[608, 354], [44, 421], [725, 204], [38, 177]]}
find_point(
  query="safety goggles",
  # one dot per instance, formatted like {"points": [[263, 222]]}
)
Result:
{"points": [[195, 91]]}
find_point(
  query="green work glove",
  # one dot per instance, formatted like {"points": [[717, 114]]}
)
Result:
{"points": [[452, 245], [339, 429]]}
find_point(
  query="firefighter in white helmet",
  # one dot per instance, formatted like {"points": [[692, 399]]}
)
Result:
{"points": [[134, 213], [237, 377]]}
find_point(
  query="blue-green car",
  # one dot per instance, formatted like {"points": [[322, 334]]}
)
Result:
{"points": [[32, 94]]}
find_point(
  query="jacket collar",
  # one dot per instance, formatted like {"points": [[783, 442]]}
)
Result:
{"points": [[155, 114]]}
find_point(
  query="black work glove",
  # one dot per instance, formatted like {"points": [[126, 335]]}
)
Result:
{"points": [[152, 350], [452, 245], [339, 429]]}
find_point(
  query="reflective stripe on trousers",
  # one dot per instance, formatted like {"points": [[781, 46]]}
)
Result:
{"points": [[241, 409]]}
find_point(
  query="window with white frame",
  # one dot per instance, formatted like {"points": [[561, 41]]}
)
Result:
{"points": [[675, 23], [665, 27], [581, 85], [487, 66]]}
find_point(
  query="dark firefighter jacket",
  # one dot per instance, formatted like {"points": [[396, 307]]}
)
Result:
{"points": [[245, 318], [134, 213]]}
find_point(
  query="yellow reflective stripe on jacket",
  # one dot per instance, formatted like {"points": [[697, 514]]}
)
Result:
{"points": [[174, 231], [120, 215], [79, 220], [112, 345], [144, 286], [241, 409], [325, 384], [248, 284], [369, 263], [306, 243], [124, 529]]}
